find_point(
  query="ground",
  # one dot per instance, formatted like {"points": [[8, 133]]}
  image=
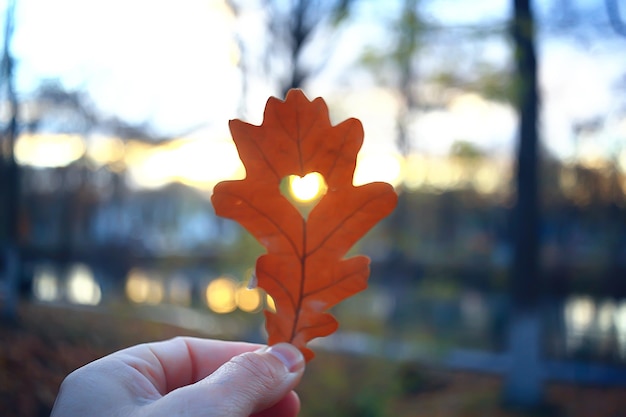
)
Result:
{"points": [[48, 342]]}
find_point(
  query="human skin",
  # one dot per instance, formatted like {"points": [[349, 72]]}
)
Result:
{"points": [[186, 377]]}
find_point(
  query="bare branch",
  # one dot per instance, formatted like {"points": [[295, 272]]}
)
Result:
{"points": [[618, 24]]}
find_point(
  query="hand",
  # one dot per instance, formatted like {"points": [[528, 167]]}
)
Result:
{"points": [[186, 377]]}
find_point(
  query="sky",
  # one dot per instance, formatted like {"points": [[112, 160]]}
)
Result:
{"points": [[175, 65], [170, 63]]}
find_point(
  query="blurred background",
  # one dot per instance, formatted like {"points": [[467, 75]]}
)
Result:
{"points": [[498, 284]]}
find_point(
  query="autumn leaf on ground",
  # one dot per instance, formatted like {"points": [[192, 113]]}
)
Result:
{"points": [[304, 269]]}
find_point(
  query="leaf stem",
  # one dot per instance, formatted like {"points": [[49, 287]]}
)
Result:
{"points": [[303, 257]]}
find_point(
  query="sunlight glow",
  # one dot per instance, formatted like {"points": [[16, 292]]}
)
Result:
{"points": [[415, 171], [378, 166], [202, 163], [622, 161], [487, 176], [487, 179], [197, 163], [48, 150], [307, 188], [106, 150]]}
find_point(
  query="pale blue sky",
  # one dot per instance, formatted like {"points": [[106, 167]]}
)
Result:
{"points": [[172, 62]]}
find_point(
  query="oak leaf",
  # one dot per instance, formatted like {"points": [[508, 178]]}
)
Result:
{"points": [[304, 269]]}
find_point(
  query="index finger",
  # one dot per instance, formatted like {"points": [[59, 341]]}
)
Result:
{"points": [[181, 361]]}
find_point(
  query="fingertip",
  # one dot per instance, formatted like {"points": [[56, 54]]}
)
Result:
{"points": [[289, 355]]}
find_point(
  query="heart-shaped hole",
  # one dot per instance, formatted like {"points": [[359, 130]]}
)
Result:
{"points": [[304, 192]]}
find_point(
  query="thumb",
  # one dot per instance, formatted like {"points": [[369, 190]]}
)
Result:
{"points": [[247, 384], [254, 381]]}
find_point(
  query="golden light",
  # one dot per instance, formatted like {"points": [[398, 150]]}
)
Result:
{"points": [[378, 166], [140, 288], [487, 179], [204, 163], [307, 188], [621, 161], [220, 295], [198, 163], [269, 302], [471, 104], [441, 175], [106, 150], [416, 171], [591, 156], [248, 300], [48, 150]]}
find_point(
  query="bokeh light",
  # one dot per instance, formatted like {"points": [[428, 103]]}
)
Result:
{"points": [[220, 295], [49, 150], [82, 287], [249, 300], [141, 288], [45, 284], [270, 304]]}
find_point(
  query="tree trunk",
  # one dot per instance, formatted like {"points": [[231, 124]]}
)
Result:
{"points": [[524, 385], [9, 195]]}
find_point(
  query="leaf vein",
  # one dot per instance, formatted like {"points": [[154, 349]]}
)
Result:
{"points": [[270, 219], [341, 223]]}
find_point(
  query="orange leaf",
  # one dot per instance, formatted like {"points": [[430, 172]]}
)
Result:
{"points": [[304, 269]]}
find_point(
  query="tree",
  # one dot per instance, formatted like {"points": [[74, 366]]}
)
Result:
{"points": [[613, 10], [9, 172], [291, 28], [523, 386], [401, 60]]}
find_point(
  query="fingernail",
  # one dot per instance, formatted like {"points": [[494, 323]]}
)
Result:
{"points": [[288, 354]]}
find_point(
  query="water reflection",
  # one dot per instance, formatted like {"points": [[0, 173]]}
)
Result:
{"points": [[594, 327], [620, 327], [75, 284], [474, 310], [221, 295], [82, 287], [46, 284], [576, 327]]}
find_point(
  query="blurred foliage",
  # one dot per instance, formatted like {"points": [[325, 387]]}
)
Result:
{"points": [[466, 151], [487, 79], [342, 385]]}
